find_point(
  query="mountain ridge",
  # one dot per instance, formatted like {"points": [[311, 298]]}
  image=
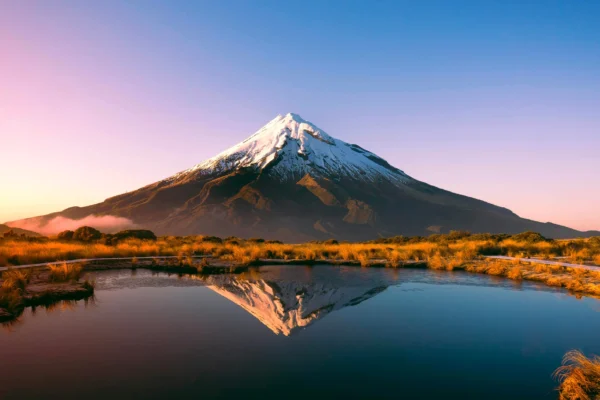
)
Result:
{"points": [[292, 181]]}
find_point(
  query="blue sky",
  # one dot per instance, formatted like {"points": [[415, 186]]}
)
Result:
{"points": [[496, 100]]}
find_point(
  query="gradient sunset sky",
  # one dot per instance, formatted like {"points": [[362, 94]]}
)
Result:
{"points": [[498, 100]]}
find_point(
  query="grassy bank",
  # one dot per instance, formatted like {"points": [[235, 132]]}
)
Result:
{"points": [[455, 251], [26, 288], [459, 247], [579, 377]]}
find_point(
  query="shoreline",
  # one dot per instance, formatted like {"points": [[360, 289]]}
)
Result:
{"points": [[273, 261], [576, 279]]}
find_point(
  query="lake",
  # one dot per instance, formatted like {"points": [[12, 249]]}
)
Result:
{"points": [[298, 332]]}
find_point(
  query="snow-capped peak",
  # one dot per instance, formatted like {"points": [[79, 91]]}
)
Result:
{"points": [[292, 147]]}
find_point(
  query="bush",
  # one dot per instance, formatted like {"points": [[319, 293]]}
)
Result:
{"points": [[143, 234], [256, 240], [530, 237], [87, 234], [10, 234], [457, 235], [594, 240], [65, 235], [212, 239]]}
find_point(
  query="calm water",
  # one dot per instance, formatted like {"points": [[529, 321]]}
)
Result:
{"points": [[299, 332]]}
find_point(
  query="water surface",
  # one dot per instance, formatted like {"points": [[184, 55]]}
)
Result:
{"points": [[299, 332]]}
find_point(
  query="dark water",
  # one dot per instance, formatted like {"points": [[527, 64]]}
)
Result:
{"points": [[299, 332]]}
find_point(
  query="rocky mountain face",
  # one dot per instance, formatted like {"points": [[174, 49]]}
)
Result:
{"points": [[292, 181]]}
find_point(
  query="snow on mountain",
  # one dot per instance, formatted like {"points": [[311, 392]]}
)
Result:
{"points": [[291, 147], [293, 182]]}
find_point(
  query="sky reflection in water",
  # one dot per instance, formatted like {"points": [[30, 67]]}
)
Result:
{"points": [[298, 332]]}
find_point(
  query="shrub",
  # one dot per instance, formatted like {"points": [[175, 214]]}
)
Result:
{"points": [[142, 234], [65, 235], [457, 235], [529, 237], [256, 240], [86, 234], [594, 240], [10, 234], [211, 239]]}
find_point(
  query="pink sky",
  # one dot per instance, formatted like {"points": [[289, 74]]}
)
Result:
{"points": [[99, 100]]}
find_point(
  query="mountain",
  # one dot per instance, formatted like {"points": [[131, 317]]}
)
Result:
{"points": [[18, 231], [292, 181]]}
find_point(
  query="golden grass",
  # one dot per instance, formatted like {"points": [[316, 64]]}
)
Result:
{"points": [[579, 377], [515, 273], [454, 253], [15, 279], [10, 300], [20, 252], [12, 288], [65, 272], [463, 254]]}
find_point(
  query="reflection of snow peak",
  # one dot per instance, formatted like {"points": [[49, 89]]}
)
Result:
{"points": [[285, 306], [292, 147]]}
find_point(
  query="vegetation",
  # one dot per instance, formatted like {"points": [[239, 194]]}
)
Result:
{"points": [[12, 288], [456, 250], [20, 288], [579, 377], [87, 234], [453, 248], [65, 272]]}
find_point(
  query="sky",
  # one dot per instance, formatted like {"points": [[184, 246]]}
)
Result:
{"points": [[497, 100]]}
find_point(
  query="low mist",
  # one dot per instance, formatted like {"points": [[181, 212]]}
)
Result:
{"points": [[105, 223]]}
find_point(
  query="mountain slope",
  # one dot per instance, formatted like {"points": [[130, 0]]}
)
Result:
{"points": [[18, 231], [292, 181]]}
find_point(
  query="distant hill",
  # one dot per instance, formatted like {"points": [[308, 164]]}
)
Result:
{"points": [[292, 181], [6, 228]]}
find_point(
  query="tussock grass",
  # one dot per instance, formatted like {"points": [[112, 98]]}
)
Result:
{"points": [[13, 286], [15, 279], [455, 251], [579, 377], [65, 272], [11, 300], [458, 247]]}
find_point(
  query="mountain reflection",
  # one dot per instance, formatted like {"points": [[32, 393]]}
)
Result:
{"points": [[288, 299]]}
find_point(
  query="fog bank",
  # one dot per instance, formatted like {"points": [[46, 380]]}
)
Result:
{"points": [[104, 223]]}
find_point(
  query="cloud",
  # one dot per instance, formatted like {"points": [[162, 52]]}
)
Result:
{"points": [[104, 223]]}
